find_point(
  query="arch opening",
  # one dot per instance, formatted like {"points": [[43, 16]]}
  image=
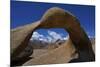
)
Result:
{"points": [[44, 38]]}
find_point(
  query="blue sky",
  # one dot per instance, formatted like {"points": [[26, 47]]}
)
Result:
{"points": [[27, 12]]}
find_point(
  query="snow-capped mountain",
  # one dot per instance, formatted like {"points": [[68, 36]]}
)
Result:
{"points": [[50, 38], [40, 40]]}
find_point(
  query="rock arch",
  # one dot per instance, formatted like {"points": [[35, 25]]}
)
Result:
{"points": [[54, 18]]}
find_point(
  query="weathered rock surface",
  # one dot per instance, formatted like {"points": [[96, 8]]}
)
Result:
{"points": [[62, 54], [20, 38], [25, 53], [54, 18]]}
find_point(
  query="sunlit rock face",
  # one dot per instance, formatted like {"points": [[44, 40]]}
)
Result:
{"points": [[71, 24], [20, 38], [54, 18]]}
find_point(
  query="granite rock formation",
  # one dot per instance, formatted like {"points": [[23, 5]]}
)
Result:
{"points": [[54, 18], [20, 38]]}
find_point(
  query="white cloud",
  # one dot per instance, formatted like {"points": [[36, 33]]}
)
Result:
{"points": [[37, 36], [91, 36], [54, 35], [51, 37], [66, 38]]}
